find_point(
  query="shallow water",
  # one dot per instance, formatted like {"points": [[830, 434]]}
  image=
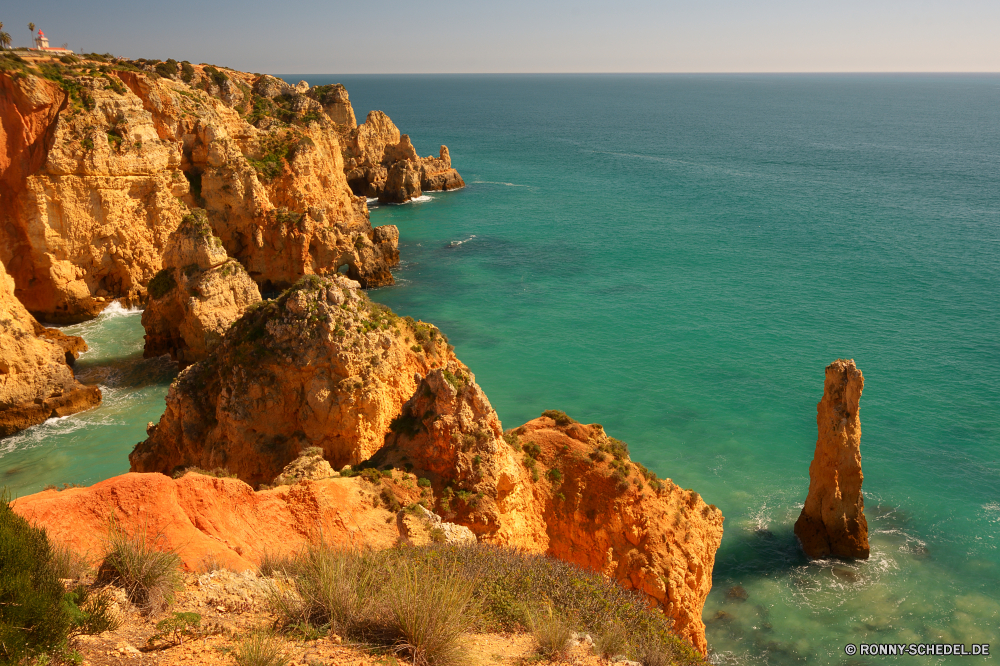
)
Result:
{"points": [[678, 258], [91, 446]]}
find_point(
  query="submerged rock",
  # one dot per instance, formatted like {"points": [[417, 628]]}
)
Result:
{"points": [[197, 297], [36, 380], [833, 521]]}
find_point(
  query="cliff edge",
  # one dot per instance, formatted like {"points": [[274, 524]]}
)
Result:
{"points": [[101, 158], [36, 380]]}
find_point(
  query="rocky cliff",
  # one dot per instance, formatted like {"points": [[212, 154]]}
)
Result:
{"points": [[833, 521], [382, 163], [561, 488], [100, 161], [335, 371], [327, 366], [197, 296], [36, 380]]}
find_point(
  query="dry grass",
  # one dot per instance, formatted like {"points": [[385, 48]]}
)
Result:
{"points": [[551, 632], [136, 563], [261, 648], [419, 601]]}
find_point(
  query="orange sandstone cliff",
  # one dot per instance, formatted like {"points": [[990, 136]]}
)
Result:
{"points": [[36, 380], [197, 297], [320, 366], [100, 160], [833, 521], [332, 370]]}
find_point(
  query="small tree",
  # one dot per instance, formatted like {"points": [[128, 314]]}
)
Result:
{"points": [[31, 27], [4, 38]]}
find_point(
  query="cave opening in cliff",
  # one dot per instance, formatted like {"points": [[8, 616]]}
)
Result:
{"points": [[194, 180]]}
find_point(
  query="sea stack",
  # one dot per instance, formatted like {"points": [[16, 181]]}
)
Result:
{"points": [[833, 519]]}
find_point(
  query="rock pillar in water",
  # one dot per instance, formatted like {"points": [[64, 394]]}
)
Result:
{"points": [[833, 519]]}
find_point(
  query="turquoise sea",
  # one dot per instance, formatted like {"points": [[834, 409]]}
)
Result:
{"points": [[678, 258]]}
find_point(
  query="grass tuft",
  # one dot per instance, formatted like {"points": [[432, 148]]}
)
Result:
{"points": [[134, 562], [261, 648]]}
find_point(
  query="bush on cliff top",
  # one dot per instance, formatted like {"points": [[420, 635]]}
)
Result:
{"points": [[37, 614], [423, 598], [33, 617]]}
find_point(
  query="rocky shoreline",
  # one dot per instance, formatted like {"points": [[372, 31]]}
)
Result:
{"points": [[192, 189]]}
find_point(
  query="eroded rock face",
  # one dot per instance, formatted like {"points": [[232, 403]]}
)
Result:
{"points": [[833, 521], [197, 297], [207, 518], [95, 180], [320, 366], [561, 488], [382, 163], [36, 381], [310, 465]]}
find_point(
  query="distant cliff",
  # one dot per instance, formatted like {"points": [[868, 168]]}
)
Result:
{"points": [[100, 160]]}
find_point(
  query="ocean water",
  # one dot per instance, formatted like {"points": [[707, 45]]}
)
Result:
{"points": [[678, 258]]}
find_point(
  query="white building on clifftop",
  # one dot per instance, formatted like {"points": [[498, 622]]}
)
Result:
{"points": [[42, 44]]}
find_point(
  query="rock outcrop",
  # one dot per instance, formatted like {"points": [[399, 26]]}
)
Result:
{"points": [[100, 161], [833, 521], [321, 365], [197, 296], [219, 519], [561, 488], [36, 380], [382, 163]]}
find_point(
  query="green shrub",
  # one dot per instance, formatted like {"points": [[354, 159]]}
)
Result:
{"points": [[424, 483], [187, 72], [218, 78], [161, 284], [91, 612], [262, 648], [167, 69], [34, 618], [134, 562], [558, 416]]}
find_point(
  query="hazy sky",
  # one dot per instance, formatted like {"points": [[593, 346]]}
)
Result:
{"points": [[392, 36]]}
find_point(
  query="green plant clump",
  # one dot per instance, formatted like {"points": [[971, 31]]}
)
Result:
{"points": [[558, 416], [161, 284], [421, 600], [33, 616], [148, 574]]}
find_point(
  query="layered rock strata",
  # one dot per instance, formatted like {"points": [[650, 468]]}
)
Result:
{"points": [[833, 521], [197, 297], [36, 380], [99, 162], [322, 364]]}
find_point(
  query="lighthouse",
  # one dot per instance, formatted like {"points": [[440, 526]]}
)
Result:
{"points": [[42, 44]]}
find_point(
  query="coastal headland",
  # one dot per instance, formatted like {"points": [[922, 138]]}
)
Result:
{"points": [[106, 159]]}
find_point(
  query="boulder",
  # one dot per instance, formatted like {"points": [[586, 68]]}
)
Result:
{"points": [[328, 367], [36, 380]]}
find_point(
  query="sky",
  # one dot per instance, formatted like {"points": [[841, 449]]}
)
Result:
{"points": [[445, 36]]}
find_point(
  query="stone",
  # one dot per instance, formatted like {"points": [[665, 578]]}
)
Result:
{"points": [[310, 465], [197, 296], [93, 189], [833, 521], [328, 367], [36, 378]]}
